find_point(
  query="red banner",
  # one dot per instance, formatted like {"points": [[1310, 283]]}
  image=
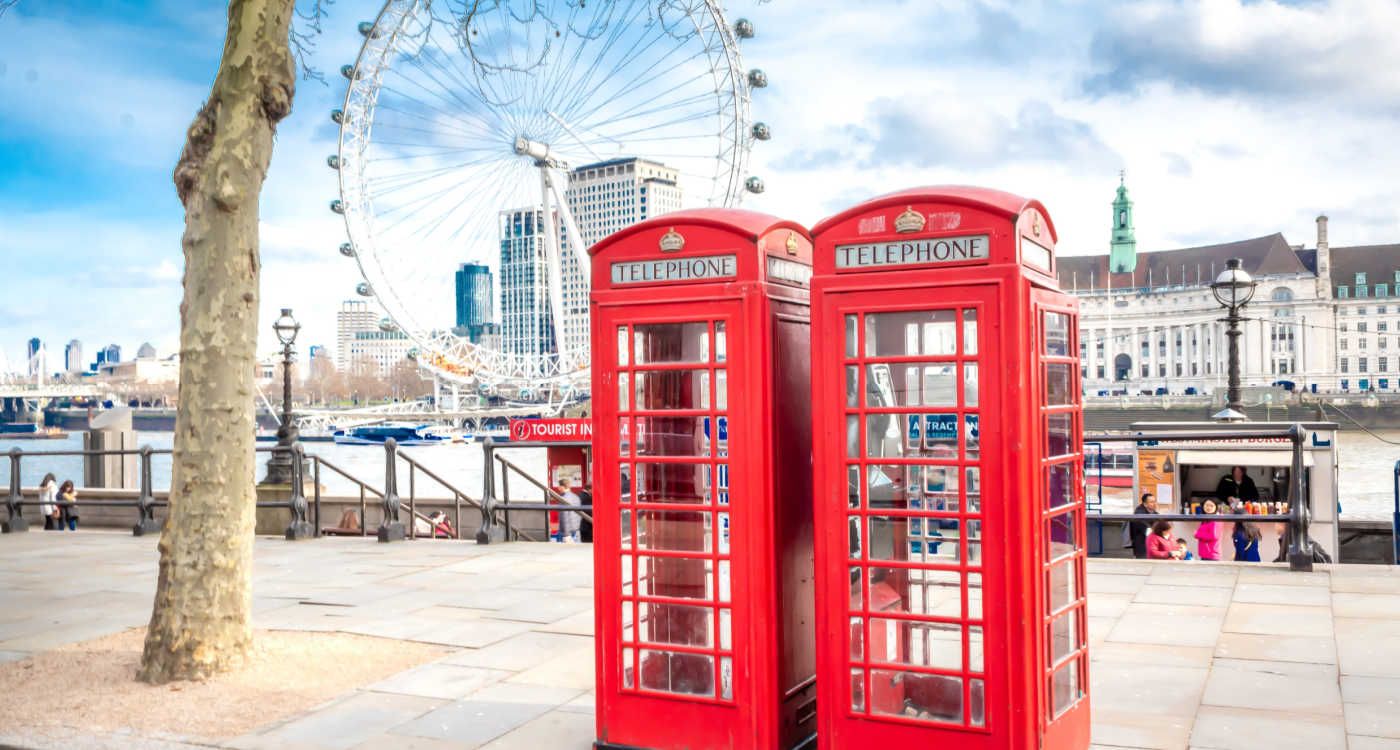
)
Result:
{"points": [[551, 430]]}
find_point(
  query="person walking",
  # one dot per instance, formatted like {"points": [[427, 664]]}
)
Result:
{"points": [[1160, 545], [1137, 530], [568, 520], [1208, 533], [69, 512], [48, 493]]}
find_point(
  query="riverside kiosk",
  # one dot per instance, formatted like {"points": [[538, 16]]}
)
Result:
{"points": [[702, 484], [948, 471]]}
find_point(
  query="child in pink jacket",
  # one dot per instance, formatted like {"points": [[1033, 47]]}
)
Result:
{"points": [[1208, 535]]}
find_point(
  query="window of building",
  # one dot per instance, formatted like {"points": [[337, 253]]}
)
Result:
{"points": [[1342, 344], [1382, 364], [1345, 363], [1382, 290], [1361, 344], [1161, 371], [1342, 292], [1361, 278], [1193, 369], [1361, 327], [1361, 291], [1100, 372], [1361, 363], [1178, 369], [1381, 342], [1144, 371]]}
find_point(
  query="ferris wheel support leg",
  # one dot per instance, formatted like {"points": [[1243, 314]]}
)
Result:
{"points": [[552, 259], [575, 239]]}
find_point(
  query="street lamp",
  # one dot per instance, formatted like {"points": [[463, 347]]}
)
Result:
{"points": [[1233, 289], [279, 467]]}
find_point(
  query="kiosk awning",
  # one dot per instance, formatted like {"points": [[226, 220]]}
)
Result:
{"points": [[1282, 458]]}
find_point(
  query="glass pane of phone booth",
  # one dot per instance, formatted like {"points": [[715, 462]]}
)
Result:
{"points": [[676, 618], [915, 515], [1062, 511]]}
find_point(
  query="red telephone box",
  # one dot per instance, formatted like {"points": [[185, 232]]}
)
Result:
{"points": [[702, 483], [948, 461]]}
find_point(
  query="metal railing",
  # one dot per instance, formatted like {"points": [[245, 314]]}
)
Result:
{"points": [[502, 504], [1300, 547], [305, 514]]}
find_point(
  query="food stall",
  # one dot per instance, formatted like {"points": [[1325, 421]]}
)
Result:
{"points": [[1183, 474]]}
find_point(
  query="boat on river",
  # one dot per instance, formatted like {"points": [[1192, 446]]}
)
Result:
{"points": [[403, 434]]}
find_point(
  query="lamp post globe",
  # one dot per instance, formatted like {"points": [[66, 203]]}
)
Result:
{"points": [[279, 467], [1233, 289]]}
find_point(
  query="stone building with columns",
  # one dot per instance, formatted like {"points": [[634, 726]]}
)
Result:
{"points": [[1324, 317]]}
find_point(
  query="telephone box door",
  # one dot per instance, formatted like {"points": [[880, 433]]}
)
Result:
{"points": [[922, 642], [676, 635]]}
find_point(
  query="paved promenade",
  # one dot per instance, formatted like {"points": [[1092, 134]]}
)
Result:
{"points": [[1185, 655]]}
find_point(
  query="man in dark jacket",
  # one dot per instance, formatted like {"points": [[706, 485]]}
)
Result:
{"points": [[1236, 486], [1137, 530]]}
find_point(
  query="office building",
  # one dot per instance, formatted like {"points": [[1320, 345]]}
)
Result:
{"points": [[354, 317], [73, 357], [473, 294], [602, 198]]}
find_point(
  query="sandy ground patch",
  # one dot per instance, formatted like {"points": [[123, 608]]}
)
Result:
{"points": [[91, 686]]}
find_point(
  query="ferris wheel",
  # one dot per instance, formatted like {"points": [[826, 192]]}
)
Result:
{"points": [[513, 134]]}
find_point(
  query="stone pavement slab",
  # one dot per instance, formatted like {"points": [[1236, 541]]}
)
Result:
{"points": [[1183, 655]]}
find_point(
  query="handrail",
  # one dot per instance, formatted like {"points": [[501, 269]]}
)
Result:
{"points": [[1395, 518], [457, 494], [550, 494]]}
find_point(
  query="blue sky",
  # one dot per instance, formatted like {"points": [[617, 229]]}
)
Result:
{"points": [[1233, 119]]}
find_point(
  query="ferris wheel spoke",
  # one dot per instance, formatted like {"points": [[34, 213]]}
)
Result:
{"points": [[439, 96], [638, 83], [632, 113], [436, 220], [584, 85]]}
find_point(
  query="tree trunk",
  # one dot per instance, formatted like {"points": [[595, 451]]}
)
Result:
{"points": [[200, 623]]}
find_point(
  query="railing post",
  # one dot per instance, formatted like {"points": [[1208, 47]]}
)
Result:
{"points": [[146, 522], [505, 502], [390, 528], [1395, 516], [14, 503], [1300, 548], [316, 488], [487, 532], [412, 502], [299, 528]]}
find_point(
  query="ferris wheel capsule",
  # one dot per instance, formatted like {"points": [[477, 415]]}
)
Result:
{"points": [[349, 72], [761, 131], [363, 289], [347, 249], [758, 79], [387, 325], [337, 116], [333, 161], [338, 207], [366, 28], [754, 185], [743, 28]]}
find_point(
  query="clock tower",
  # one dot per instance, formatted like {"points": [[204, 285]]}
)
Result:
{"points": [[1122, 254]]}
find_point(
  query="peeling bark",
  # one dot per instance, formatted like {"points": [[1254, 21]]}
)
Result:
{"points": [[200, 621]]}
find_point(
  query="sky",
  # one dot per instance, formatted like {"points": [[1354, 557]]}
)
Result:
{"points": [[1231, 119]]}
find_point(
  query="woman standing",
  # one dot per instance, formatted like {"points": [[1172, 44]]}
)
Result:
{"points": [[1208, 534], [1159, 543], [66, 494], [1246, 539], [48, 492]]}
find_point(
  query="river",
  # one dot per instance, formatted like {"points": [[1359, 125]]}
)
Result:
{"points": [[458, 463], [1365, 476]]}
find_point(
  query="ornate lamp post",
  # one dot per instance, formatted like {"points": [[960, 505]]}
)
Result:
{"points": [[279, 467], [1233, 289]]}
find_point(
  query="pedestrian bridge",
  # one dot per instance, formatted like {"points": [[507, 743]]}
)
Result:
{"points": [[31, 391]]}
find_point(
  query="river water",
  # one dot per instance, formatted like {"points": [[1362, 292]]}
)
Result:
{"points": [[1365, 476], [459, 464]]}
